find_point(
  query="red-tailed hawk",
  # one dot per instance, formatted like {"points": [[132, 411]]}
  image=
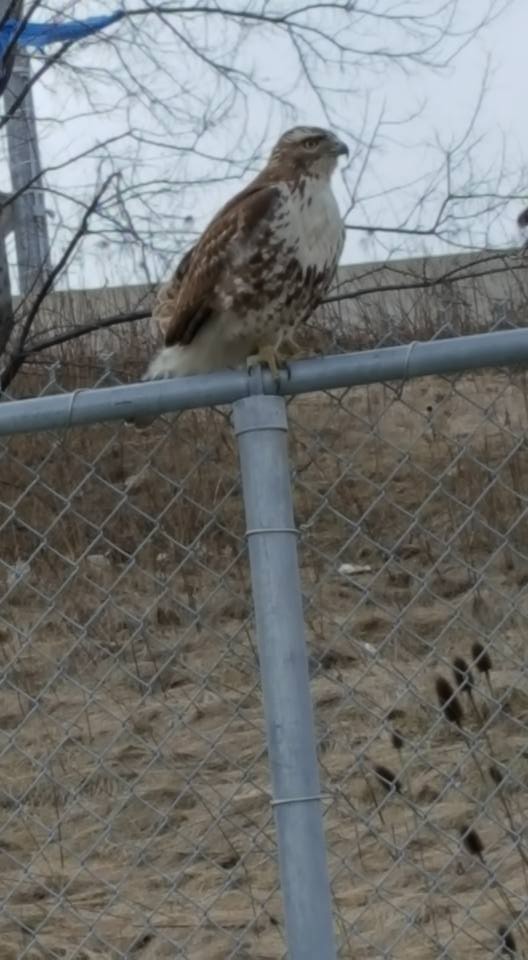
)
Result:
{"points": [[261, 266]]}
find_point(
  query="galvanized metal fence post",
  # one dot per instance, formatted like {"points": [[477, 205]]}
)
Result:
{"points": [[261, 429]]}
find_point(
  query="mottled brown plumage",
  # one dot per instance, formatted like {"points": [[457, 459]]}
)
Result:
{"points": [[261, 266]]}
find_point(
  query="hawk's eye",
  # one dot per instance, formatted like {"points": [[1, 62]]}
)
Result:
{"points": [[311, 143]]}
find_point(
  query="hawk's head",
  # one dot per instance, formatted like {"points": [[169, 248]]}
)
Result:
{"points": [[309, 150]]}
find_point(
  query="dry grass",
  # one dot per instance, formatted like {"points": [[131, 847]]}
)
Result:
{"points": [[134, 805]]}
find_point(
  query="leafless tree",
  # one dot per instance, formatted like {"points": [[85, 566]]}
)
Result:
{"points": [[147, 126]]}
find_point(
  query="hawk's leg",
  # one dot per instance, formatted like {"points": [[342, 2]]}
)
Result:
{"points": [[267, 355]]}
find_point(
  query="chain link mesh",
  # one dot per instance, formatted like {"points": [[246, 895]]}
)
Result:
{"points": [[135, 815]]}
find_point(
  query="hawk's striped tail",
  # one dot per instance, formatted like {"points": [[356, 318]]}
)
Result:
{"points": [[170, 362]]}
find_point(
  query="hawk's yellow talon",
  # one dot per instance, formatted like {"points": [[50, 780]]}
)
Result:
{"points": [[267, 355]]}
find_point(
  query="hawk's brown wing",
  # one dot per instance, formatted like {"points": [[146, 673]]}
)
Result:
{"points": [[189, 297], [167, 294]]}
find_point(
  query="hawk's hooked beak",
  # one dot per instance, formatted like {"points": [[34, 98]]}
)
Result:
{"points": [[341, 149]]}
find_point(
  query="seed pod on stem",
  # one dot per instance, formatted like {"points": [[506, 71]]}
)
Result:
{"points": [[387, 778], [508, 945], [472, 842], [449, 701], [482, 661], [464, 681]]}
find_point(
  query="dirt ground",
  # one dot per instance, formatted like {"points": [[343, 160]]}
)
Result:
{"points": [[134, 792]]}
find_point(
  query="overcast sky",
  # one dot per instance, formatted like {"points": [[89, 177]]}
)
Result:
{"points": [[393, 178], [451, 97]]}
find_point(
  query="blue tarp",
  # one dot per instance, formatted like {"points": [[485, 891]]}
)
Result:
{"points": [[39, 34]]}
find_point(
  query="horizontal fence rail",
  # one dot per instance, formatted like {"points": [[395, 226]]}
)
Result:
{"points": [[509, 347]]}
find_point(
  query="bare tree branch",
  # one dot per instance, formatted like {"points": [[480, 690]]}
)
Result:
{"points": [[126, 107], [17, 356]]}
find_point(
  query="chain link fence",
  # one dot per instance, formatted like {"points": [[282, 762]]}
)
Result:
{"points": [[135, 816]]}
